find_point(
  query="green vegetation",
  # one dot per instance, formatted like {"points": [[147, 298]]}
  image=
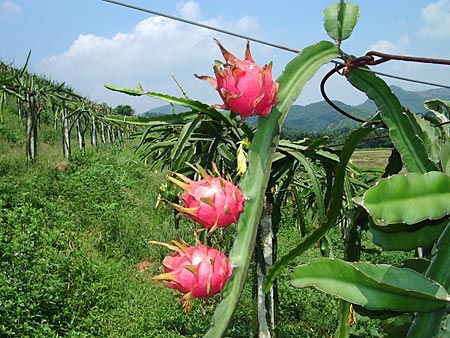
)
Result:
{"points": [[70, 243], [75, 260], [123, 110]]}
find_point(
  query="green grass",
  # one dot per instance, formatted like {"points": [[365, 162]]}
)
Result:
{"points": [[70, 243]]}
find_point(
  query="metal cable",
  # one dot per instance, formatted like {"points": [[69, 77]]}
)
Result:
{"points": [[372, 53], [220, 30]]}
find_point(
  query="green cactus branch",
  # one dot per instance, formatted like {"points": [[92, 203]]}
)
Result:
{"points": [[428, 324], [254, 183]]}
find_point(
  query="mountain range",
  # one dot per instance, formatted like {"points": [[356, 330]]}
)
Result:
{"points": [[321, 117]]}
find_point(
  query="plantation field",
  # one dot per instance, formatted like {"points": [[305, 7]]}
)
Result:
{"points": [[201, 223], [75, 259], [76, 252], [371, 158]]}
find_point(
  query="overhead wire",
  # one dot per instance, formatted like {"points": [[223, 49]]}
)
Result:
{"points": [[263, 42], [198, 24], [397, 77]]}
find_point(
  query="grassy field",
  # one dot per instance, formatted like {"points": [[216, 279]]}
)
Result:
{"points": [[371, 158], [73, 244]]}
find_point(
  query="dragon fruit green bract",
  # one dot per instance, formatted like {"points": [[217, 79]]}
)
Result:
{"points": [[212, 202], [245, 88], [196, 271]]}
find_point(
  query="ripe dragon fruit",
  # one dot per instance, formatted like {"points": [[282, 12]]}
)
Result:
{"points": [[212, 202], [196, 271], [245, 88]]}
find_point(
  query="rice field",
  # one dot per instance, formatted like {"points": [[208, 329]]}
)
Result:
{"points": [[371, 158]]}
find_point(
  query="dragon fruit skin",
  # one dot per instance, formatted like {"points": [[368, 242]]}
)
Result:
{"points": [[195, 271], [245, 88], [213, 202], [225, 206]]}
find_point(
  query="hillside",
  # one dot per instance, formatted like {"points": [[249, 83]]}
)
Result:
{"points": [[321, 117], [165, 110], [412, 100]]}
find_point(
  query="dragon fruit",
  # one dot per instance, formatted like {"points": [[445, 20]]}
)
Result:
{"points": [[245, 88], [212, 202], [195, 271]]}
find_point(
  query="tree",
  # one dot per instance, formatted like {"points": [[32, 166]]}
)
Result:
{"points": [[124, 110]]}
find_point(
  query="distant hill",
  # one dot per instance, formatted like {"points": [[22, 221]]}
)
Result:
{"points": [[165, 110], [319, 116], [412, 100]]}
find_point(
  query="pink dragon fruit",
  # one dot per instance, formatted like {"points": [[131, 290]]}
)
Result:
{"points": [[196, 271], [245, 88], [212, 202]]}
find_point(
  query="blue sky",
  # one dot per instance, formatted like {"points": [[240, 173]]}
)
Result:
{"points": [[88, 43]]}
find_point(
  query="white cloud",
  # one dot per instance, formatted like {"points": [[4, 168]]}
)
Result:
{"points": [[10, 8], [247, 23], [385, 46], [388, 47], [189, 10], [403, 40], [418, 71], [436, 18], [148, 55]]}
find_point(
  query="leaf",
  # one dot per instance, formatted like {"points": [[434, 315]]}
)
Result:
{"points": [[192, 104], [340, 19], [14, 93], [417, 264], [439, 269], [428, 134], [445, 331], [394, 165], [409, 198], [333, 211], [132, 92], [343, 328], [398, 327], [319, 142], [185, 156], [180, 118], [445, 157], [428, 324], [376, 287], [288, 145], [357, 218], [184, 136], [24, 68], [440, 108], [310, 170], [254, 182], [227, 155], [403, 227], [375, 314], [299, 211], [406, 240], [401, 128]]}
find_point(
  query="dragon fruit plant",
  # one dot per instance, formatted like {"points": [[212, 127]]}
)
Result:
{"points": [[212, 202], [196, 271], [245, 88]]}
